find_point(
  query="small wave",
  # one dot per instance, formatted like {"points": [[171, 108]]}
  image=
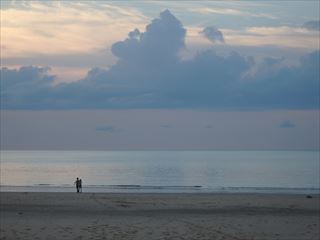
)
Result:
{"points": [[142, 187], [297, 190]]}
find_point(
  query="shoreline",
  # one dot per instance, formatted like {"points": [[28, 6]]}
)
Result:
{"points": [[160, 189], [159, 216]]}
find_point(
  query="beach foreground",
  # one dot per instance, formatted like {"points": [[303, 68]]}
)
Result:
{"points": [[158, 216]]}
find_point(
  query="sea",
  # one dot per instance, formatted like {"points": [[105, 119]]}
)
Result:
{"points": [[295, 172]]}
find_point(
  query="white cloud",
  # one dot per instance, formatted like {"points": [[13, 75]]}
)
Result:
{"points": [[281, 36], [35, 33], [64, 27], [231, 11]]}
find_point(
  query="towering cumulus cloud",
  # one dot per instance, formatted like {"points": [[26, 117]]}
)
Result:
{"points": [[161, 41], [150, 74]]}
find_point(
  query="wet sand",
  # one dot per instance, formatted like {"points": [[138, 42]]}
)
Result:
{"points": [[158, 216]]}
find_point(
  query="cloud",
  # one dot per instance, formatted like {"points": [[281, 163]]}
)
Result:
{"points": [[163, 39], [312, 25], [91, 27], [28, 87], [231, 12], [213, 34], [279, 86], [107, 129], [166, 126], [150, 74], [85, 25], [281, 36], [287, 124]]}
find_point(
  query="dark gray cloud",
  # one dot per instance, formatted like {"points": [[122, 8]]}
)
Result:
{"points": [[312, 25], [107, 129], [213, 34], [287, 124], [27, 87], [150, 74], [166, 126], [284, 86]]}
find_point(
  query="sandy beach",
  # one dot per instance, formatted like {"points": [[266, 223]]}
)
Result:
{"points": [[159, 216]]}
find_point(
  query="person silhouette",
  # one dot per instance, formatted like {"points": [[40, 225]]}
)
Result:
{"points": [[80, 185], [77, 183]]}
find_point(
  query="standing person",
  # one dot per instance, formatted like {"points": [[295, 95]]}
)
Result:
{"points": [[77, 182], [80, 185]]}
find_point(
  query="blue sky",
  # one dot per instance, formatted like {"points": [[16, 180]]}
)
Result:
{"points": [[208, 60]]}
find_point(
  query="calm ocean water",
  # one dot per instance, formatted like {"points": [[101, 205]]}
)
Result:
{"points": [[162, 171]]}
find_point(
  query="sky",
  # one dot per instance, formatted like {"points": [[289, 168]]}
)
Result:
{"points": [[160, 75]]}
